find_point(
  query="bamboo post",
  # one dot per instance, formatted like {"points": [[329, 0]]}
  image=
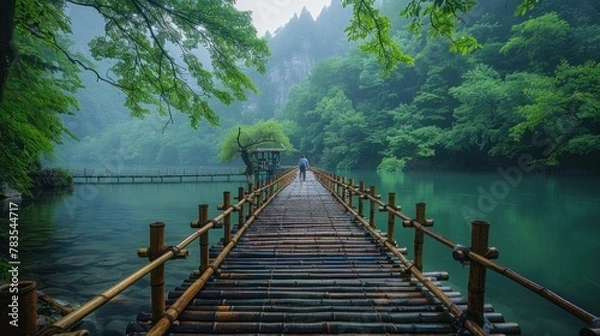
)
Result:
{"points": [[361, 188], [257, 197], [477, 272], [202, 219], [372, 208], [227, 220], [418, 247], [241, 209], [18, 310], [391, 218], [343, 189], [157, 275], [251, 200], [350, 193]]}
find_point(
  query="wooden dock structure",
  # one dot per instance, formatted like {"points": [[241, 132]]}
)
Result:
{"points": [[305, 258], [155, 176], [305, 266]]}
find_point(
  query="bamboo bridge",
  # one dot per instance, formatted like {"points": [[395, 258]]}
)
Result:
{"points": [[305, 258], [130, 176]]}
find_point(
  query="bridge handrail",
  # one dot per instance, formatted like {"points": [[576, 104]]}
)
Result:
{"points": [[106, 172], [452, 307], [95, 303], [167, 319], [585, 316]]}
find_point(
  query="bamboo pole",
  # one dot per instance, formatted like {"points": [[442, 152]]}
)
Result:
{"points": [[391, 218], [157, 276], [446, 301], [104, 297], [361, 189], [227, 221], [418, 243], [172, 313], [250, 200], [477, 272], [546, 293], [19, 305], [350, 193], [372, 208], [240, 210], [202, 219]]}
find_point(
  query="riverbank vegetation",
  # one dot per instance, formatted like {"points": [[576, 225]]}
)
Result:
{"points": [[531, 91], [440, 89]]}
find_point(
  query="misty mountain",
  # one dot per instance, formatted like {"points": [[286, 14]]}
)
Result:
{"points": [[105, 129]]}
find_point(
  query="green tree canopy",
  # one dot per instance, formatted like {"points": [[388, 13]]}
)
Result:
{"points": [[152, 50], [241, 141], [563, 117]]}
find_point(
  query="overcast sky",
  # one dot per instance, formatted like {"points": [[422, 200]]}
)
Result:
{"points": [[272, 14]]}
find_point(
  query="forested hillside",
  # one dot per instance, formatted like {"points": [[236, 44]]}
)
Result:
{"points": [[107, 134], [529, 95]]}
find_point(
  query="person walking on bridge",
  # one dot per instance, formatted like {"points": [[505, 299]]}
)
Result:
{"points": [[303, 165]]}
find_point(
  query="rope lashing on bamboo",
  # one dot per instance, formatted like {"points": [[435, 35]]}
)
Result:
{"points": [[216, 224], [461, 254], [151, 256], [460, 324]]}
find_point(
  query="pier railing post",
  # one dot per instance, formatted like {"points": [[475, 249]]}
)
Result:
{"points": [[477, 272], [350, 193], [361, 188], [25, 305], [372, 208], [240, 197], [418, 247], [227, 220], [391, 218], [251, 200], [202, 219], [157, 276]]}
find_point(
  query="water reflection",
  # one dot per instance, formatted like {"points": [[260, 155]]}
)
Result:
{"points": [[545, 228], [80, 244]]}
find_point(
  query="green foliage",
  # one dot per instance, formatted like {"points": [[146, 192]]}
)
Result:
{"points": [[542, 41], [526, 6], [151, 48], [392, 164], [142, 36], [564, 113], [40, 86], [267, 133], [487, 111], [373, 29], [481, 106], [343, 133]]}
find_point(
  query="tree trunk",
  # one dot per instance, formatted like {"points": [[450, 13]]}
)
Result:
{"points": [[7, 48]]}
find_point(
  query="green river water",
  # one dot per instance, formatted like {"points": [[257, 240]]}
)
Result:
{"points": [[76, 245]]}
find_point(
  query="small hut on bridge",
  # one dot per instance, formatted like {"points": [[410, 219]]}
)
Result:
{"points": [[266, 162]]}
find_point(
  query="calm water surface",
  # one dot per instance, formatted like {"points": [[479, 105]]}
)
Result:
{"points": [[79, 244]]}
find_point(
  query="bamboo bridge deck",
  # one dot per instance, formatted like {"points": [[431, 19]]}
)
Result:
{"points": [[306, 267]]}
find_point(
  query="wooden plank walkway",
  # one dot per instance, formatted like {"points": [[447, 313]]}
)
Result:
{"points": [[130, 178], [305, 267]]}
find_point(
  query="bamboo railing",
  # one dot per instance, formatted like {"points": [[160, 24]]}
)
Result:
{"points": [[478, 255], [158, 254]]}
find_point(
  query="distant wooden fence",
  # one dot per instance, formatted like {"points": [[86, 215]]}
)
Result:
{"points": [[87, 175]]}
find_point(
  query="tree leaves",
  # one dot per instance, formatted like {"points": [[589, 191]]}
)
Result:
{"points": [[154, 46]]}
